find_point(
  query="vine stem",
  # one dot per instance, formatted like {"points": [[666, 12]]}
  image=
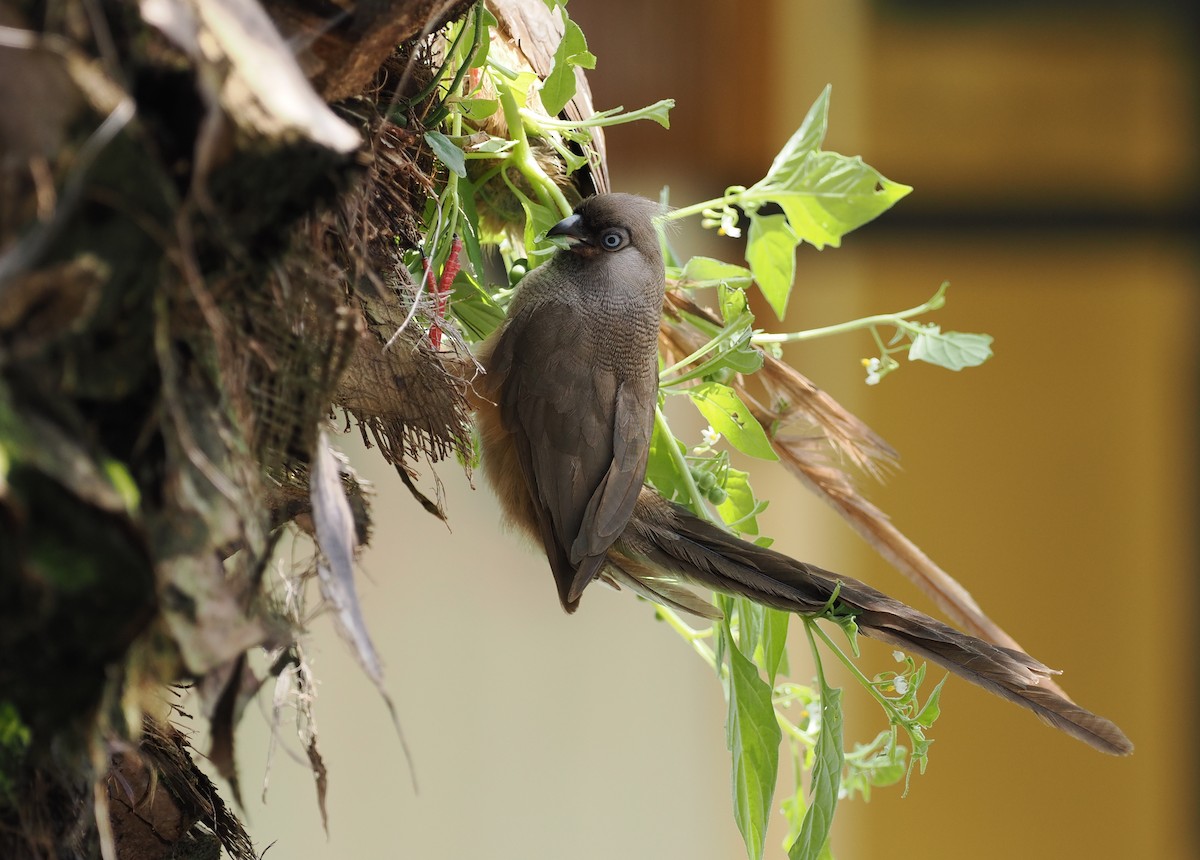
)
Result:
{"points": [[699, 208], [792, 730], [694, 637], [548, 193], [605, 119], [727, 334], [680, 461], [811, 627], [936, 301]]}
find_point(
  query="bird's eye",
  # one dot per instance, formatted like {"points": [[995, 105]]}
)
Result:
{"points": [[612, 239]]}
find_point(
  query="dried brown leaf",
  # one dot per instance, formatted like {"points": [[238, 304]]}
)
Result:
{"points": [[246, 69], [810, 431]]}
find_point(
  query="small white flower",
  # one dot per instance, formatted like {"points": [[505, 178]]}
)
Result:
{"points": [[875, 370], [898, 656], [710, 436], [901, 684]]}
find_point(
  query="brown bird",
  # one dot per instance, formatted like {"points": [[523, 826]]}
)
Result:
{"points": [[565, 414]]}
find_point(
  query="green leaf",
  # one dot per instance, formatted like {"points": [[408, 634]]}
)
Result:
{"points": [[659, 112], [878, 764], [824, 195], [933, 708], [826, 779], [474, 307], [762, 633], [488, 21], [805, 140], [753, 736], [707, 272], [730, 417], [13, 733], [725, 605], [494, 144], [740, 508], [771, 252], [447, 152], [477, 109], [749, 618], [888, 768], [795, 806], [467, 192], [741, 356], [733, 303], [14, 742], [520, 86], [538, 221], [660, 466], [730, 348], [559, 86], [952, 349], [828, 195], [123, 482], [774, 642]]}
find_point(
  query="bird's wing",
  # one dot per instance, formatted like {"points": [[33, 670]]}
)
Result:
{"points": [[582, 434]]}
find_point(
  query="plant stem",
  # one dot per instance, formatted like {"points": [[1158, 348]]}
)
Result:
{"points": [[792, 730], [736, 196], [698, 502], [694, 637], [428, 89], [936, 301], [684, 362], [522, 158], [612, 116], [439, 113], [811, 626], [452, 178], [698, 208]]}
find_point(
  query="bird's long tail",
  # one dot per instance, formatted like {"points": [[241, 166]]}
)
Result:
{"points": [[670, 537]]}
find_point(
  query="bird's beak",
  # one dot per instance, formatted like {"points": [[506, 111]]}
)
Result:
{"points": [[569, 228]]}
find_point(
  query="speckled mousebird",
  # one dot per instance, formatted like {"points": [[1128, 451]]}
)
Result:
{"points": [[565, 413]]}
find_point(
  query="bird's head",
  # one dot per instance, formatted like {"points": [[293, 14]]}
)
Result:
{"points": [[612, 224]]}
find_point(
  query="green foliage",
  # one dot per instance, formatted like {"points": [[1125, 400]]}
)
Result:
{"points": [[826, 779], [740, 508], [823, 196], [753, 738], [559, 86], [923, 341], [809, 196], [770, 250], [14, 741], [446, 152], [952, 349], [729, 416], [707, 272]]}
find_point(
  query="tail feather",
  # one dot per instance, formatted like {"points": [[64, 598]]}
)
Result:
{"points": [[672, 538]]}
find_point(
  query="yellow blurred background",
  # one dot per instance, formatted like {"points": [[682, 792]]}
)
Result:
{"points": [[1052, 147]]}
